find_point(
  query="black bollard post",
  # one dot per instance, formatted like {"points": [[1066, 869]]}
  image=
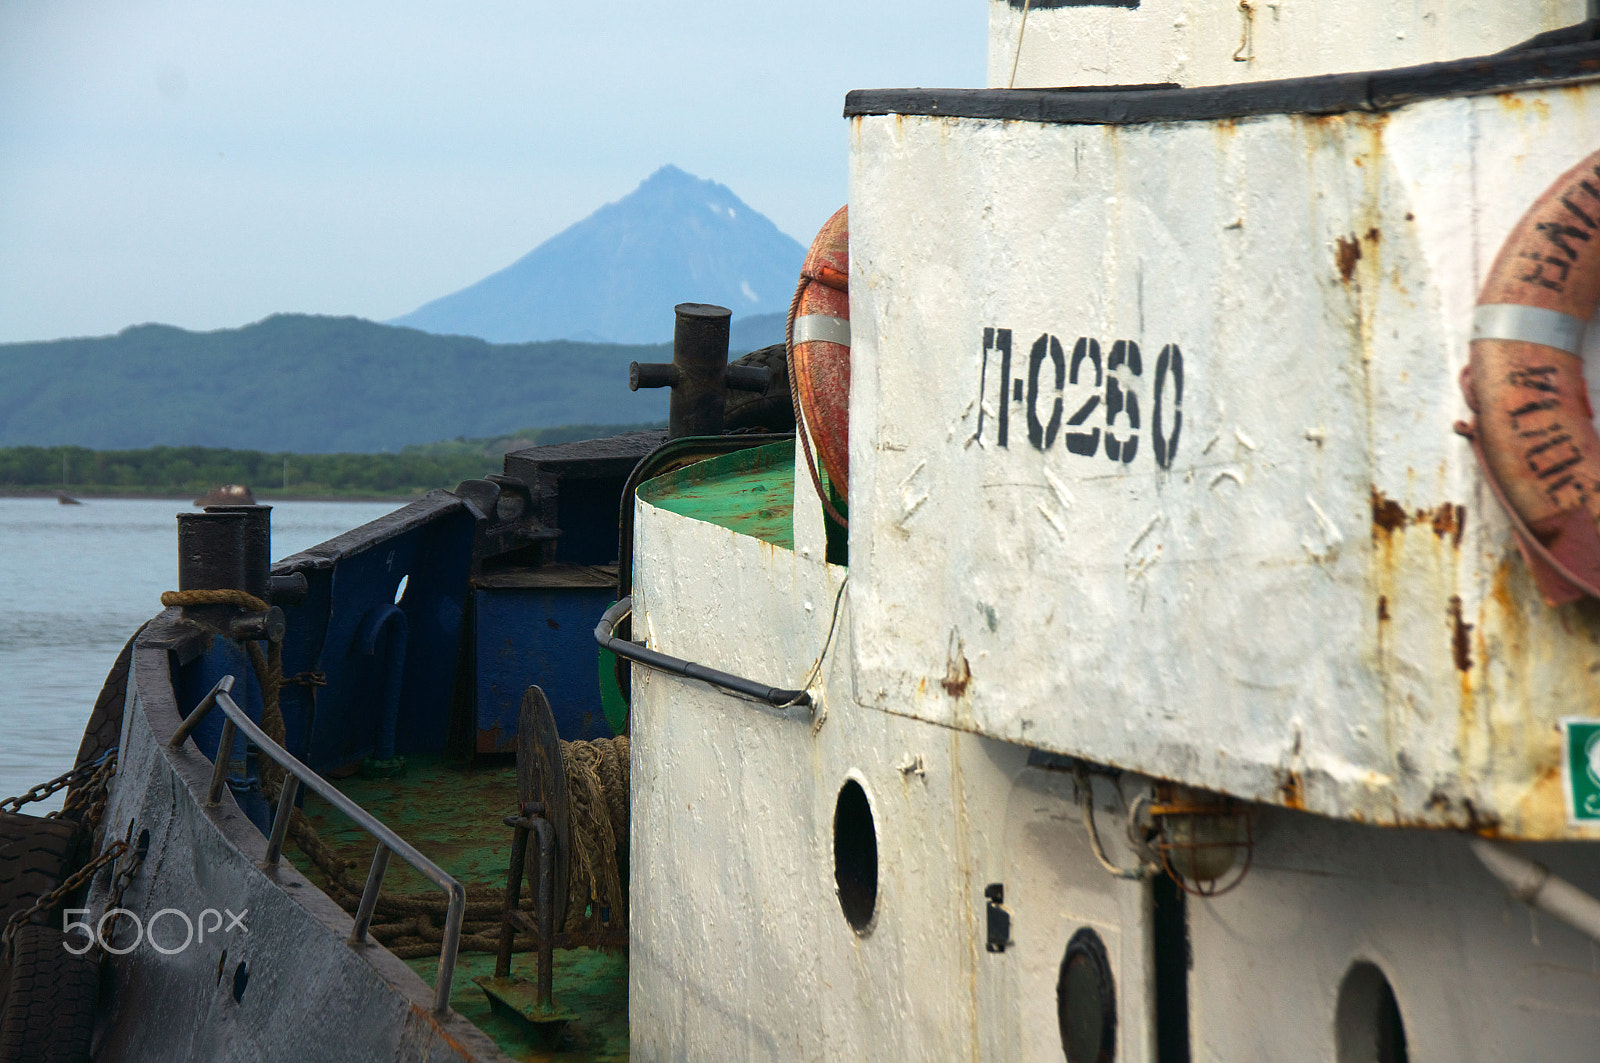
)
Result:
{"points": [[211, 557], [699, 374], [257, 547], [226, 550], [700, 354]]}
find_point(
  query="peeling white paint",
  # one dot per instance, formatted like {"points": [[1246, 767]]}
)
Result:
{"points": [[1321, 342]]}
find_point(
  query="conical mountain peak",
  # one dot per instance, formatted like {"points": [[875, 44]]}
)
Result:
{"points": [[616, 275]]}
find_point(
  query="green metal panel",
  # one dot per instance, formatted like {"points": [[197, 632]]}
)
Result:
{"points": [[750, 492]]}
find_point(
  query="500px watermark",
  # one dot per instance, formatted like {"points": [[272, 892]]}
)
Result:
{"points": [[193, 931]]}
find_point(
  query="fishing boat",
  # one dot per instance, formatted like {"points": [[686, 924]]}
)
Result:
{"points": [[1167, 635]]}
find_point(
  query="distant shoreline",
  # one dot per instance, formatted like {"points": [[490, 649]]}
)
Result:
{"points": [[92, 494]]}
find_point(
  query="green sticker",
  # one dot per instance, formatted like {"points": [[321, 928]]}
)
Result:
{"points": [[1580, 742]]}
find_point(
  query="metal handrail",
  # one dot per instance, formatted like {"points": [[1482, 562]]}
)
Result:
{"points": [[388, 841], [605, 633]]}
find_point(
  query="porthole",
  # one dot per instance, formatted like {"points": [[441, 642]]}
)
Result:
{"points": [[1367, 1027], [241, 979], [1086, 1001], [400, 588], [855, 856]]}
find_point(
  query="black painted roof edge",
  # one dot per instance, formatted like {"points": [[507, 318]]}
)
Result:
{"points": [[430, 507], [587, 457], [1376, 90]]}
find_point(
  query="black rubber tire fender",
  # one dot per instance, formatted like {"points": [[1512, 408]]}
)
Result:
{"points": [[35, 855], [47, 999], [105, 719]]}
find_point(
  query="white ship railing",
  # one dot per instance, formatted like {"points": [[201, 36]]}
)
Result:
{"points": [[388, 841]]}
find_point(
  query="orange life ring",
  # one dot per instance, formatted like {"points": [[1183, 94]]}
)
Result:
{"points": [[819, 351], [1535, 435]]}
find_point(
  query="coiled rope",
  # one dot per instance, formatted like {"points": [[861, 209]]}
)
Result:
{"points": [[597, 799]]}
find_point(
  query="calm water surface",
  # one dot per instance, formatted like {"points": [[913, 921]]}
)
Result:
{"points": [[75, 581]]}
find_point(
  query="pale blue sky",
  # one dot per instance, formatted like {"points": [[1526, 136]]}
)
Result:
{"points": [[205, 164]]}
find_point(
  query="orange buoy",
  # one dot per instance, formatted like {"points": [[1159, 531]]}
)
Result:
{"points": [[819, 352], [1535, 435]]}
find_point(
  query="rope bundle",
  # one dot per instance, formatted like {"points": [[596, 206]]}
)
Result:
{"points": [[597, 796]]}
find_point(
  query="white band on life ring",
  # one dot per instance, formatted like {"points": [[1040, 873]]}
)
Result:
{"points": [[814, 327], [1527, 324]]}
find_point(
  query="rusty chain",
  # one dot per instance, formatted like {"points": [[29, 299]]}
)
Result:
{"points": [[66, 778], [93, 794]]}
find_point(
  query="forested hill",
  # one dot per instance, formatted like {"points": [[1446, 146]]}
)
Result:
{"points": [[309, 385]]}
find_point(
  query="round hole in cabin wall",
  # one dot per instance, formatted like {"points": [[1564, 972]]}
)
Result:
{"points": [[1086, 1001], [855, 856], [241, 979], [1367, 1027], [142, 847]]}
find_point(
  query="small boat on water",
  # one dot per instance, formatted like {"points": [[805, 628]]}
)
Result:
{"points": [[227, 495], [1151, 651], [67, 500]]}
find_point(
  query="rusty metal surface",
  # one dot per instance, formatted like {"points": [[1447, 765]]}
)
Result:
{"points": [[1287, 581]]}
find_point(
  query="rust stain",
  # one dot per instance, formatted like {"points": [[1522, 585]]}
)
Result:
{"points": [[1513, 622], [491, 740], [1291, 783], [1347, 255], [1478, 822], [1373, 235], [1445, 814], [1387, 514], [1460, 636], [1292, 789], [1383, 608], [1543, 807], [956, 677], [1512, 103], [428, 1018], [1448, 520]]}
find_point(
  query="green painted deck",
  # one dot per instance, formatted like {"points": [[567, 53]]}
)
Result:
{"points": [[748, 491], [453, 814]]}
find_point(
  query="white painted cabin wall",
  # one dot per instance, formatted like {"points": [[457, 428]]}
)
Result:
{"points": [[1479, 977], [810, 530], [739, 949], [1237, 622], [1193, 42]]}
